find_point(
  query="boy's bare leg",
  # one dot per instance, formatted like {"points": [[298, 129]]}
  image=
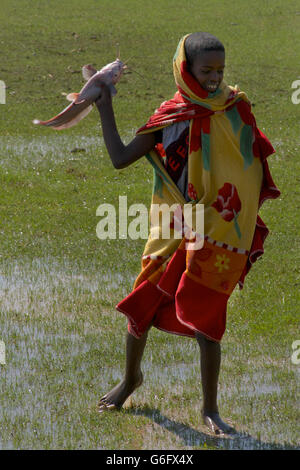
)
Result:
{"points": [[210, 366], [133, 374]]}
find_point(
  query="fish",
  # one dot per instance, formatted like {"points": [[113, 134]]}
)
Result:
{"points": [[82, 102]]}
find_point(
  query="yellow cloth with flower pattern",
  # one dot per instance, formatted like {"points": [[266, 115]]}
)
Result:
{"points": [[182, 290]]}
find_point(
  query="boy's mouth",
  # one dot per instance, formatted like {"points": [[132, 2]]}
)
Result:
{"points": [[211, 87]]}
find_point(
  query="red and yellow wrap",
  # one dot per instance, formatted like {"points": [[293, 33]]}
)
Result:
{"points": [[180, 290]]}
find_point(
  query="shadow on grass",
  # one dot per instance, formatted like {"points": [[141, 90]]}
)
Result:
{"points": [[194, 438]]}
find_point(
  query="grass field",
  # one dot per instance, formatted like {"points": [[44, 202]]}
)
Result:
{"points": [[59, 283]]}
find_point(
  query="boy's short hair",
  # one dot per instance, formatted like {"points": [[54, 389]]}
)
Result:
{"points": [[196, 43]]}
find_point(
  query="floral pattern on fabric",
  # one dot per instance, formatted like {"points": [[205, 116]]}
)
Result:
{"points": [[192, 192], [222, 263], [228, 204]]}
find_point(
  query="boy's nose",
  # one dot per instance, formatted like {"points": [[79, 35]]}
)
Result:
{"points": [[214, 76]]}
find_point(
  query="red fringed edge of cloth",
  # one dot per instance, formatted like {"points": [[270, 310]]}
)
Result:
{"points": [[262, 148]]}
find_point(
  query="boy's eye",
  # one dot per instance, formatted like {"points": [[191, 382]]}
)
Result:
{"points": [[208, 71]]}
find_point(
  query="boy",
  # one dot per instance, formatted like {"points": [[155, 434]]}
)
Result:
{"points": [[205, 148]]}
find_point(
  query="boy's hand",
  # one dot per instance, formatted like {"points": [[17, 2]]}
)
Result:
{"points": [[105, 96]]}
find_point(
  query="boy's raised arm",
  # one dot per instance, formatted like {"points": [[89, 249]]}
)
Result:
{"points": [[121, 155]]}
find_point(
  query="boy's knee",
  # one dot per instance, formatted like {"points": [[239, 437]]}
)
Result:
{"points": [[203, 340]]}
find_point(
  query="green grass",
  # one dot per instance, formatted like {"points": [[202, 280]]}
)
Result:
{"points": [[59, 283]]}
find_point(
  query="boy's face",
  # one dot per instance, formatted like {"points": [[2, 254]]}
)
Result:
{"points": [[208, 69]]}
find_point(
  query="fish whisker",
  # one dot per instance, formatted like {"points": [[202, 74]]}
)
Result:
{"points": [[126, 61], [130, 70], [118, 50]]}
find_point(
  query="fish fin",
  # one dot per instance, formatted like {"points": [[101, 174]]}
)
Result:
{"points": [[88, 71], [69, 117], [72, 96], [75, 120], [113, 90]]}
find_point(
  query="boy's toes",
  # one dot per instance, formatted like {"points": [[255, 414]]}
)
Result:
{"points": [[107, 407], [216, 425], [102, 399]]}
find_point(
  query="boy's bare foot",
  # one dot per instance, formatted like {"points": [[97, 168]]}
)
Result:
{"points": [[215, 424], [115, 399]]}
